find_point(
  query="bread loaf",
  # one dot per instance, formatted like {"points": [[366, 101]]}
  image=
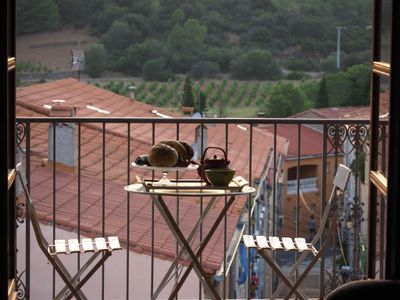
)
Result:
{"points": [[189, 150], [162, 155], [177, 146]]}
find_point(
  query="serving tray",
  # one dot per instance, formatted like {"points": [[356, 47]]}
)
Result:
{"points": [[236, 184], [165, 169]]}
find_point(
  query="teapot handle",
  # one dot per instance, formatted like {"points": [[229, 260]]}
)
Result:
{"points": [[205, 150]]}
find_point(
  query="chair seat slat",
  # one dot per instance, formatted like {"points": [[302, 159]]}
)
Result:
{"points": [[249, 241], [262, 242], [275, 242], [113, 242], [302, 244], [73, 245], [101, 244], [288, 244], [60, 246], [87, 245]]}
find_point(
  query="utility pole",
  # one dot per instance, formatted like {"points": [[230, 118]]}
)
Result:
{"points": [[339, 28]]}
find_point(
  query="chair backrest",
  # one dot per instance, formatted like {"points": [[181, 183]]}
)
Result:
{"points": [[30, 210], [339, 184], [341, 177]]}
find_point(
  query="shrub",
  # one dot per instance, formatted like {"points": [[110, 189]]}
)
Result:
{"points": [[154, 69]]}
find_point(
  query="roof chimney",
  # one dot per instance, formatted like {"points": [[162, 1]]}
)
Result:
{"points": [[131, 91], [66, 139], [201, 137]]}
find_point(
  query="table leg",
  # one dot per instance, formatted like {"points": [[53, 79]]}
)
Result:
{"points": [[162, 207], [203, 244], [181, 251]]}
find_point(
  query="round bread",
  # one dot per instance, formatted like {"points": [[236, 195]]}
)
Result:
{"points": [[162, 155], [179, 148], [189, 150]]}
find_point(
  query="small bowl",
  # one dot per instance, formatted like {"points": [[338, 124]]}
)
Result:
{"points": [[220, 177]]}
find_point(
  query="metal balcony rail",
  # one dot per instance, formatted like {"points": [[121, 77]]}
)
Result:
{"points": [[235, 271], [307, 185]]}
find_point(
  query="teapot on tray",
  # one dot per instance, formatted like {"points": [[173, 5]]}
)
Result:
{"points": [[216, 162]]}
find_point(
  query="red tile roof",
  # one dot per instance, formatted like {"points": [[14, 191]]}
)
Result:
{"points": [[359, 112], [30, 101], [335, 113], [311, 141]]}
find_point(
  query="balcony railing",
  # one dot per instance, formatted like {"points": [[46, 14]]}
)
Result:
{"points": [[307, 185], [88, 199]]}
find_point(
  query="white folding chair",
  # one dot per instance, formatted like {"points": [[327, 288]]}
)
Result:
{"points": [[97, 246], [265, 245]]}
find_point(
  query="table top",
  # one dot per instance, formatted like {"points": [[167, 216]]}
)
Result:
{"points": [[139, 188]]}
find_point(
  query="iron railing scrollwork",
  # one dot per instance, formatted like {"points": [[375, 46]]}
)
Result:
{"points": [[21, 131], [20, 287], [20, 205], [355, 134]]}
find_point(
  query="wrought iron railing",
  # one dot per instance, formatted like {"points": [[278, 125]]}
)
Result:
{"points": [[307, 185], [341, 141]]}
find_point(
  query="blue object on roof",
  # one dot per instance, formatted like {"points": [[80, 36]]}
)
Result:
{"points": [[242, 276]]}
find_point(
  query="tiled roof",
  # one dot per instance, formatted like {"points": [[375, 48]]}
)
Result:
{"points": [[310, 139], [336, 113], [359, 112], [30, 101]]}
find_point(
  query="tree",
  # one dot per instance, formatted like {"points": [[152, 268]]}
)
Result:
{"points": [[36, 15], [132, 59], [285, 100], [140, 21], [202, 106], [350, 87], [186, 44], [256, 64], [338, 88], [109, 14], [79, 14], [322, 99], [95, 62], [187, 99], [120, 36], [359, 78]]}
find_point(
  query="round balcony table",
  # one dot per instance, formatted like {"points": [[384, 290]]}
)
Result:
{"points": [[186, 189]]}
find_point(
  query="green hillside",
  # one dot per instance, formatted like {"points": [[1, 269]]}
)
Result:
{"points": [[249, 39]]}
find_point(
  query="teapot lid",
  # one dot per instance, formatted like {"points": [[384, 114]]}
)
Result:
{"points": [[215, 158]]}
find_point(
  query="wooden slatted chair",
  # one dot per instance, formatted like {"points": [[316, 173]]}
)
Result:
{"points": [[97, 246], [265, 245]]}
